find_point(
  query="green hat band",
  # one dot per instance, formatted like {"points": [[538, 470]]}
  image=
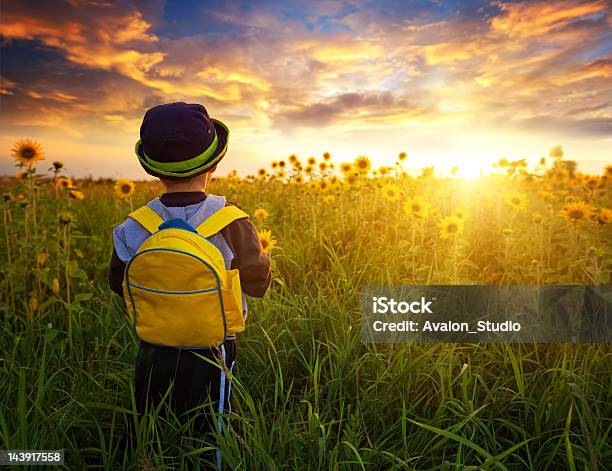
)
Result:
{"points": [[185, 168]]}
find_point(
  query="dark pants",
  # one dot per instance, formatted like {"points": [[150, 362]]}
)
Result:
{"points": [[193, 381]]}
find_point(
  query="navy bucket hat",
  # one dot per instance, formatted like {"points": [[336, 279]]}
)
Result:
{"points": [[179, 140]]}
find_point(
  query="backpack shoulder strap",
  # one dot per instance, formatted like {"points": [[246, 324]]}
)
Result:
{"points": [[147, 218], [220, 219]]}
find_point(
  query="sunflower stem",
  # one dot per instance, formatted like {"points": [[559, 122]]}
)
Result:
{"points": [[5, 217], [455, 271], [413, 251], [67, 276]]}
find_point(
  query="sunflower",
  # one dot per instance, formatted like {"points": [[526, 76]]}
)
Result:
{"points": [[124, 188], [274, 164], [591, 183], [384, 170], [346, 167], [608, 171], [298, 179], [350, 179], [308, 170], [450, 226], [402, 156], [427, 172], [260, 214], [65, 218], [576, 212], [326, 156], [27, 152], [416, 207], [293, 159], [556, 152], [21, 175], [42, 257], [460, 213], [323, 185], [262, 172], [63, 183], [323, 166], [267, 241], [329, 199], [282, 163], [76, 194], [362, 164], [603, 216], [33, 304], [391, 192], [516, 200], [311, 161], [55, 285]]}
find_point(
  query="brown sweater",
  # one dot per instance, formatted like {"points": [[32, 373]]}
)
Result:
{"points": [[241, 237]]}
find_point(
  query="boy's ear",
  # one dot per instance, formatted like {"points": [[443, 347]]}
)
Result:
{"points": [[212, 169]]}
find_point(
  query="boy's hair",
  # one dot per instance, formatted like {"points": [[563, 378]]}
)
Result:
{"points": [[174, 181], [188, 180]]}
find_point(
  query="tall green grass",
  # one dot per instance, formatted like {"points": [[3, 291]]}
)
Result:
{"points": [[307, 393]]}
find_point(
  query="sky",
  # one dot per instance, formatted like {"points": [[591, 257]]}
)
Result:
{"points": [[449, 83]]}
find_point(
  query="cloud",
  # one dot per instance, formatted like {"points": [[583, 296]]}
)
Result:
{"points": [[98, 36], [528, 19], [341, 64], [347, 108], [6, 86], [553, 124]]}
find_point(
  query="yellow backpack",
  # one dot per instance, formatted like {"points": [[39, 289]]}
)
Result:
{"points": [[177, 289]]}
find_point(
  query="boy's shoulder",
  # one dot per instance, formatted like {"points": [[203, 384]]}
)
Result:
{"points": [[129, 235]]}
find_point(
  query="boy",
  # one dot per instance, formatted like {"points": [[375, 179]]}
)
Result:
{"points": [[181, 145]]}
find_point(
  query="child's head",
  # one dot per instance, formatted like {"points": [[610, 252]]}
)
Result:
{"points": [[180, 144], [197, 183]]}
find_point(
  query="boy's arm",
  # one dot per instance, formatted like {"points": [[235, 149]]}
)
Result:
{"points": [[115, 274], [249, 258]]}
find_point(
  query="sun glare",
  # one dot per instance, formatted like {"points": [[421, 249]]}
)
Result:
{"points": [[470, 170]]}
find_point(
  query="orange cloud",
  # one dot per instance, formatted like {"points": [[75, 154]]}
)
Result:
{"points": [[595, 70], [527, 19], [98, 44], [6, 86]]}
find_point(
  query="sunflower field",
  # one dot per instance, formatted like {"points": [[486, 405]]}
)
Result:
{"points": [[307, 393]]}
